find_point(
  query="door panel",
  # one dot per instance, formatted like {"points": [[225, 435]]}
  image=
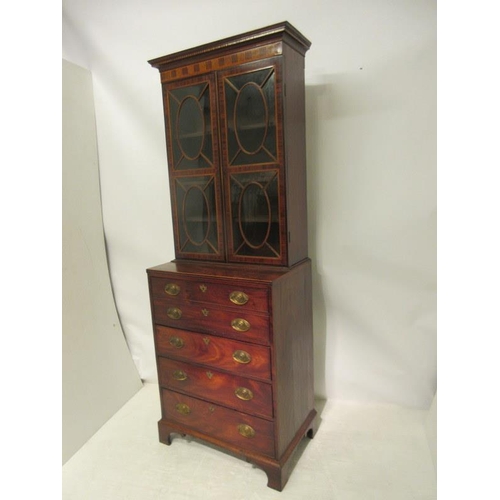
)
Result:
{"points": [[252, 164], [190, 110]]}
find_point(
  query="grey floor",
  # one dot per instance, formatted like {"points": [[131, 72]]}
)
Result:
{"points": [[361, 452]]}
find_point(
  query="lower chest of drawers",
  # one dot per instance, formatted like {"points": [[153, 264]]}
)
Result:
{"points": [[234, 358]]}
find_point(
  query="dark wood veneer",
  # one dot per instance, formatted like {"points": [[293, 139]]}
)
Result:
{"points": [[219, 422], [214, 351], [217, 320], [220, 387], [199, 291], [232, 314], [293, 352], [277, 32], [295, 148], [255, 275]]}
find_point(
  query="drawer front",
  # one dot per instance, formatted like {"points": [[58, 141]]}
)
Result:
{"points": [[238, 295], [236, 392], [247, 326], [238, 429], [237, 357]]}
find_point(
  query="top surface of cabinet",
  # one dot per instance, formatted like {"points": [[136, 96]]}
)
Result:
{"points": [[234, 121]]}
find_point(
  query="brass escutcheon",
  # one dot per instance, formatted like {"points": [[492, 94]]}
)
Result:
{"points": [[203, 288], [179, 375], [246, 431], [172, 289], [240, 325], [242, 357], [211, 409], [206, 340], [204, 312], [174, 313], [238, 298], [210, 375], [183, 408], [176, 342], [244, 393]]}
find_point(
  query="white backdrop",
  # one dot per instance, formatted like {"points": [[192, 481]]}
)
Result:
{"points": [[98, 373], [371, 149]]}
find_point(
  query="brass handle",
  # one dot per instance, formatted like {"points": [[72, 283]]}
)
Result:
{"points": [[203, 288], [242, 357], [179, 375], [172, 289], [246, 431], [244, 393], [176, 342], [183, 408], [238, 298], [240, 325], [204, 312], [174, 313]]}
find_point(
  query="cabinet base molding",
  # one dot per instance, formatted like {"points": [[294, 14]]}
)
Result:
{"points": [[278, 471]]}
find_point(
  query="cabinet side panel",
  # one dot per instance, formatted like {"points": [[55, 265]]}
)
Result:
{"points": [[293, 352], [295, 154]]}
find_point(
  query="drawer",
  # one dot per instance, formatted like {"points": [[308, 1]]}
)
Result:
{"points": [[247, 326], [239, 429], [237, 357], [236, 392], [239, 296]]}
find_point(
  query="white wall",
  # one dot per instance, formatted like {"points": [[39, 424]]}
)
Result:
{"points": [[430, 426], [371, 117], [98, 373]]}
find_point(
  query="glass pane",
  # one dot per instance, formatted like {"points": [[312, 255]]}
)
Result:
{"points": [[250, 118], [250, 110], [255, 214], [190, 126], [196, 215]]}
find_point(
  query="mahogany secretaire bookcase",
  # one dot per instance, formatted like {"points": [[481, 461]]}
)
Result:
{"points": [[232, 314]]}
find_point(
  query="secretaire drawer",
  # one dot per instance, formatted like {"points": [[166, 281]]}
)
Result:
{"points": [[238, 295], [239, 429], [234, 391], [237, 357], [240, 325]]}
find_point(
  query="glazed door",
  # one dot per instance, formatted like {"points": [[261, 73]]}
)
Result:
{"points": [[252, 163], [191, 127]]}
